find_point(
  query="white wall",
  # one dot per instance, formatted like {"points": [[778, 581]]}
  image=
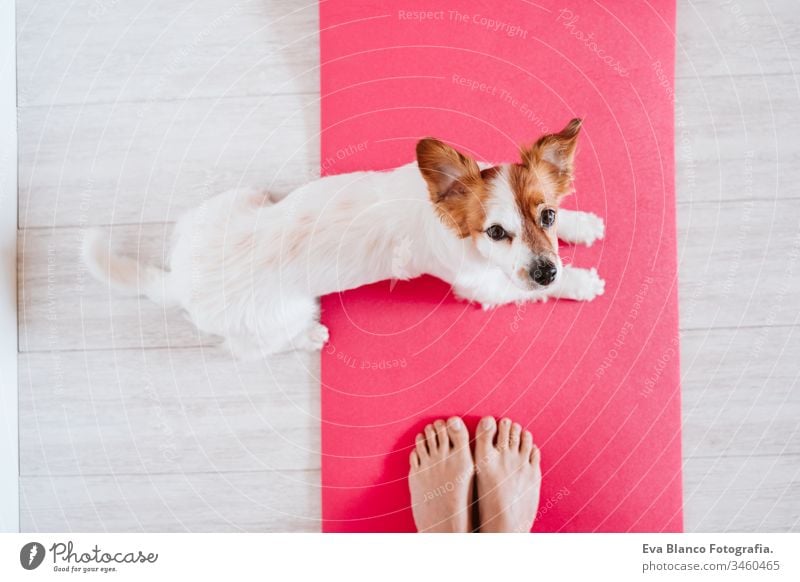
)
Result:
{"points": [[9, 461]]}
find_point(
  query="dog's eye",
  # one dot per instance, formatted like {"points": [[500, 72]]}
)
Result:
{"points": [[496, 232], [548, 217]]}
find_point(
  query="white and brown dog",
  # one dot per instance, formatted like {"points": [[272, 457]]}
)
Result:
{"points": [[252, 270]]}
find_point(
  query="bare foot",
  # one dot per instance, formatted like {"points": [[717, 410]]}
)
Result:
{"points": [[441, 478], [508, 476]]}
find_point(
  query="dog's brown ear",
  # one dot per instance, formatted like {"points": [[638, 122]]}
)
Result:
{"points": [[556, 148], [448, 172]]}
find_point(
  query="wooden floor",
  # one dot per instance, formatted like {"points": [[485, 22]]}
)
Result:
{"points": [[131, 112]]}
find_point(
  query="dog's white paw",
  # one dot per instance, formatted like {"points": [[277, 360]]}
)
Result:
{"points": [[587, 228], [317, 337], [592, 285], [582, 285]]}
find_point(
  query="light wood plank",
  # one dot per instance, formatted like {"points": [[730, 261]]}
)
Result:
{"points": [[736, 138], [160, 411], [255, 501], [742, 494], [729, 38], [741, 391], [105, 164], [61, 307], [88, 51], [739, 263], [730, 494]]}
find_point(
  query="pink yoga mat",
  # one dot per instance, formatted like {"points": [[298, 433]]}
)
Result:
{"points": [[597, 383]]}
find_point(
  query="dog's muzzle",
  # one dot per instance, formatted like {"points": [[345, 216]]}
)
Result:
{"points": [[543, 272]]}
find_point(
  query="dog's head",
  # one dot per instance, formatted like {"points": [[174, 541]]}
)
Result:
{"points": [[510, 212]]}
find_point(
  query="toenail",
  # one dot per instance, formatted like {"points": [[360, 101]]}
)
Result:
{"points": [[455, 423], [487, 422]]}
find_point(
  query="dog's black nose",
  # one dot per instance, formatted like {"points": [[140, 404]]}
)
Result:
{"points": [[544, 272]]}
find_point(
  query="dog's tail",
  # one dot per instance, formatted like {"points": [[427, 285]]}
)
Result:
{"points": [[124, 273]]}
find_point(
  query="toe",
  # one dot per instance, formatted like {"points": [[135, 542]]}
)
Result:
{"points": [[430, 438], [422, 448], [484, 437], [503, 433], [514, 437], [535, 456], [457, 432], [441, 435], [414, 460], [527, 443]]}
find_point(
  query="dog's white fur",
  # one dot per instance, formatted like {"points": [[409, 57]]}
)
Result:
{"points": [[251, 270]]}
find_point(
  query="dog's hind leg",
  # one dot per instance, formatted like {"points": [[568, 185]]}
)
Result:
{"points": [[312, 339], [293, 326], [313, 335]]}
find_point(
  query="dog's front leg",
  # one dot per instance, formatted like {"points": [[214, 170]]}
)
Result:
{"points": [[578, 285], [579, 227]]}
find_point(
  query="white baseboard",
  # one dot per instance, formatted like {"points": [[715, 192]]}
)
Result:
{"points": [[9, 433]]}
